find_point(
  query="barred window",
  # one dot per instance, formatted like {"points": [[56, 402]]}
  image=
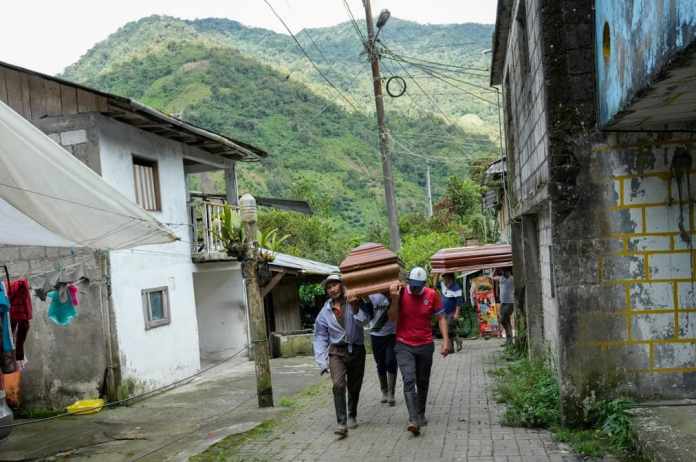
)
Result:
{"points": [[147, 188]]}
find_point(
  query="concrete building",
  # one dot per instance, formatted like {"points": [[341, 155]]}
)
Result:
{"points": [[600, 129], [138, 323]]}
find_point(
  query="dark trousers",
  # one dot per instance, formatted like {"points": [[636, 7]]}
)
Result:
{"points": [[383, 351], [415, 364], [347, 371], [506, 317], [20, 328]]}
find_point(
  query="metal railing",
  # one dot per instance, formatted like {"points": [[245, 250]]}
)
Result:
{"points": [[206, 221]]}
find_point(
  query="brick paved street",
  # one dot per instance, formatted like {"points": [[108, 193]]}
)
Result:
{"points": [[464, 423]]}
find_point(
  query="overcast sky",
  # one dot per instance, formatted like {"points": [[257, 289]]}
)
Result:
{"points": [[47, 35]]}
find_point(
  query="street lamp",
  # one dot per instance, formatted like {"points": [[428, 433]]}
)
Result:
{"points": [[384, 16]]}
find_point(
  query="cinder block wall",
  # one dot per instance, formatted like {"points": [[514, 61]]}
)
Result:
{"points": [[649, 265]]}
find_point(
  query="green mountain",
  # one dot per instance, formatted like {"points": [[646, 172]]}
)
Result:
{"points": [[257, 86]]}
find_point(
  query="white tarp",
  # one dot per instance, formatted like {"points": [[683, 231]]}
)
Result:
{"points": [[50, 198]]}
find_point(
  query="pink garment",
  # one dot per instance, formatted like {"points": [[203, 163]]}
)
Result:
{"points": [[73, 290]]}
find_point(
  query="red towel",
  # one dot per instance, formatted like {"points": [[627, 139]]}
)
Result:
{"points": [[20, 300]]}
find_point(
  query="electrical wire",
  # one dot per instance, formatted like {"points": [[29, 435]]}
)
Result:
{"points": [[356, 26], [439, 64], [141, 396], [316, 67]]}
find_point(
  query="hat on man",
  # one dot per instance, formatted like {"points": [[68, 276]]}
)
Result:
{"points": [[331, 278], [417, 277]]}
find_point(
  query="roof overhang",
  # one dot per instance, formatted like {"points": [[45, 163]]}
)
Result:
{"points": [[131, 112], [500, 40]]}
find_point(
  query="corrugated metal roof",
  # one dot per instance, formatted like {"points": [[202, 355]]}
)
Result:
{"points": [[131, 112], [303, 265], [497, 167]]}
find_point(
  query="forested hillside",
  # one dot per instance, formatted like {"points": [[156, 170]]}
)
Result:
{"points": [[257, 86]]}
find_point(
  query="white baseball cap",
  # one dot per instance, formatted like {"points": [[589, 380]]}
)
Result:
{"points": [[331, 278], [417, 277]]}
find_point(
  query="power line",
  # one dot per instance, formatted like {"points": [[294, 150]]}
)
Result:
{"points": [[316, 67], [426, 66], [439, 64], [356, 26]]}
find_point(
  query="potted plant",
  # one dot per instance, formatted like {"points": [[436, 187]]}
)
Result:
{"points": [[231, 233]]}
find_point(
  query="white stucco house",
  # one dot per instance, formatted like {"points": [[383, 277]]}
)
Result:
{"points": [[138, 322]]}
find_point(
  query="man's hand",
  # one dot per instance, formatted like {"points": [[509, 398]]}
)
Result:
{"points": [[444, 348], [395, 289]]}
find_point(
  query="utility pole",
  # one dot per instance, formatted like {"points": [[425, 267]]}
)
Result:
{"points": [[428, 192], [259, 339], [389, 193]]}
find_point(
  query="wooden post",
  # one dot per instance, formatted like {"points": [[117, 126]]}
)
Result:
{"points": [[428, 193], [389, 190], [259, 338], [231, 189]]}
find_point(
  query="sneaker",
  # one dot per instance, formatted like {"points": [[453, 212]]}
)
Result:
{"points": [[385, 397], [422, 421], [352, 423], [413, 428], [341, 430]]}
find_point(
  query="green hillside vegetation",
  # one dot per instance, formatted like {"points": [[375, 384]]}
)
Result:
{"points": [[254, 85]]}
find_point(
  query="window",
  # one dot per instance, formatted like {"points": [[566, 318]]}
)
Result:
{"points": [[147, 188], [156, 307]]}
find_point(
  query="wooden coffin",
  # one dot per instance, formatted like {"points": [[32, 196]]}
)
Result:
{"points": [[462, 259], [369, 269]]}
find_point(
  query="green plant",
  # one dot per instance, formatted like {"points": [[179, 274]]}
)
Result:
{"points": [[229, 231], [269, 244], [531, 394]]}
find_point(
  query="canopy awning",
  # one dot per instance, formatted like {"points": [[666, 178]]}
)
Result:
{"points": [[50, 198], [462, 259]]}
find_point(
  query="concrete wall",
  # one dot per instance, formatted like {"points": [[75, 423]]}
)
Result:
{"points": [[645, 277], [220, 310], [607, 253], [65, 363], [635, 39], [526, 123], [163, 354]]}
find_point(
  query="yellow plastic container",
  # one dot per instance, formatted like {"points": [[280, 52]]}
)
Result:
{"points": [[86, 406]]}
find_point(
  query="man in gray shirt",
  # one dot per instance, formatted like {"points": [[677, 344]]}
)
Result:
{"points": [[507, 301]]}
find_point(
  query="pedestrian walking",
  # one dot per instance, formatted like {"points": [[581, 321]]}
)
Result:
{"points": [[339, 348], [412, 308], [383, 338], [507, 302], [452, 301]]}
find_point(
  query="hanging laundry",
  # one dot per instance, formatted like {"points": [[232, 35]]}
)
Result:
{"points": [[8, 363], [73, 291], [61, 309], [20, 315]]}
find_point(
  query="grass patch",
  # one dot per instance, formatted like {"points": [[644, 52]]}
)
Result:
{"points": [[36, 413], [531, 394], [225, 449]]}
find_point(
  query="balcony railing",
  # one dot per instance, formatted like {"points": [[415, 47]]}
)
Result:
{"points": [[206, 217]]}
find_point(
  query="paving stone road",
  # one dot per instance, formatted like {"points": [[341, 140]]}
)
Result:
{"points": [[464, 423]]}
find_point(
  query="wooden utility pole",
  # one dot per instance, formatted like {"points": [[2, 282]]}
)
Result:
{"points": [[389, 193], [428, 192], [259, 338]]}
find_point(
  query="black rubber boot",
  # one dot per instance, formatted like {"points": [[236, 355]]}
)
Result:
{"points": [[391, 386], [412, 405], [384, 386], [340, 404]]}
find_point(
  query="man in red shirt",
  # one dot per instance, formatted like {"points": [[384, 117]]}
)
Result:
{"points": [[413, 308]]}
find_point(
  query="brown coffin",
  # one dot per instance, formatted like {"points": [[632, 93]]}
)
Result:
{"points": [[462, 259], [369, 269]]}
